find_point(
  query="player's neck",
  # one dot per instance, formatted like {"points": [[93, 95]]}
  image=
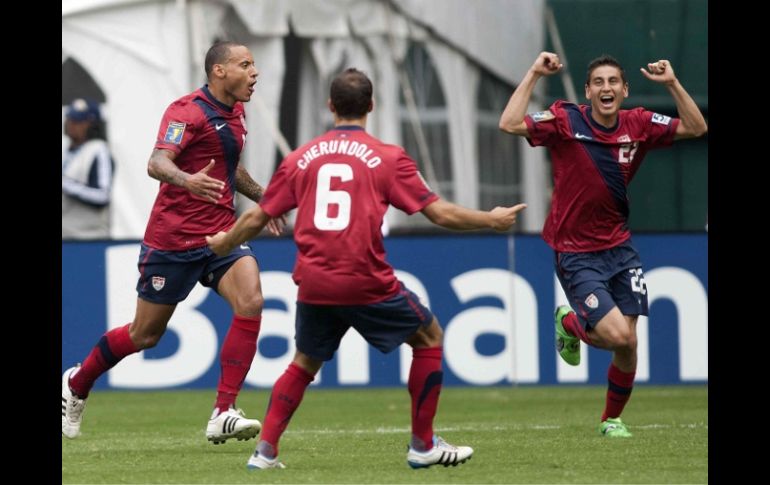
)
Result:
{"points": [[350, 122], [607, 121], [221, 95]]}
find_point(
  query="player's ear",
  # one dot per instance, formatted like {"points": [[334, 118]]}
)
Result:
{"points": [[588, 92], [371, 106], [625, 90], [330, 105], [218, 70]]}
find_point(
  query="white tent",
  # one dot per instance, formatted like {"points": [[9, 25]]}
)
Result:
{"points": [[145, 54]]}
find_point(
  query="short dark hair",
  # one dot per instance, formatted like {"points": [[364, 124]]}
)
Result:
{"points": [[604, 60], [217, 54], [351, 94]]}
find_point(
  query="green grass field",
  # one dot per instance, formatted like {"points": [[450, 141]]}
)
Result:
{"points": [[519, 434]]}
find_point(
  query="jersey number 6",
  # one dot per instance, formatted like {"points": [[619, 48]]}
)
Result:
{"points": [[324, 197]]}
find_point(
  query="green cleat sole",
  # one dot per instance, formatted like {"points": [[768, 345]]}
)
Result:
{"points": [[567, 345]]}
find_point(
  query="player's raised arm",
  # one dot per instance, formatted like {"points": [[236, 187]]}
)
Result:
{"points": [[692, 124], [512, 119]]}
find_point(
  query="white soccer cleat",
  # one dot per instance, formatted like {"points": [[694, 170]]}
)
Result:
{"points": [[71, 407], [442, 453], [260, 462], [231, 424]]}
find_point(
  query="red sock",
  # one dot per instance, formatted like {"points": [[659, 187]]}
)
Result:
{"points": [[572, 326], [235, 358], [111, 348], [287, 394], [425, 378], [619, 386]]}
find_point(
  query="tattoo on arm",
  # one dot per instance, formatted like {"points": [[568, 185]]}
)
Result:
{"points": [[246, 185], [161, 167]]}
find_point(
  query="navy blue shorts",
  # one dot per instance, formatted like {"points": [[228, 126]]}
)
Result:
{"points": [[385, 325], [167, 277], [594, 282]]}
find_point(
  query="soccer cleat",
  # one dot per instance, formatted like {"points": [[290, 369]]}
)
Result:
{"points": [[231, 424], [71, 406], [614, 428], [567, 345], [261, 462], [442, 453]]}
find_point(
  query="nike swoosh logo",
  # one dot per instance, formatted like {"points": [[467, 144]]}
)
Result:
{"points": [[245, 246], [581, 136], [219, 127]]}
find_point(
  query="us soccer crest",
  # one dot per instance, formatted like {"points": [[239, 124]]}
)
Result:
{"points": [[158, 282], [592, 301]]}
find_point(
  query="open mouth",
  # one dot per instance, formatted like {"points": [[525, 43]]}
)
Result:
{"points": [[607, 101]]}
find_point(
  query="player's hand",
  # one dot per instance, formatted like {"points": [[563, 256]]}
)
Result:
{"points": [[505, 217], [204, 186], [276, 225], [660, 72], [546, 64], [218, 244]]}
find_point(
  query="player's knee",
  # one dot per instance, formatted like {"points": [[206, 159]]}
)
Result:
{"points": [[249, 305], [308, 364], [435, 334], [630, 342], [430, 336], [622, 338]]}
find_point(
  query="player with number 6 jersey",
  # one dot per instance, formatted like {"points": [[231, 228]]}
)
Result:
{"points": [[342, 183]]}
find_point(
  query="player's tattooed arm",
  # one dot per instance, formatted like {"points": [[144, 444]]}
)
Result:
{"points": [[251, 189], [162, 167], [247, 185]]}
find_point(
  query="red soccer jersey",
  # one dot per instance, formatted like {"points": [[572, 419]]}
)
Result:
{"points": [[343, 182], [197, 128], [592, 167]]}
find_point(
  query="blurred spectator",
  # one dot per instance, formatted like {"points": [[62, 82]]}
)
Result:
{"points": [[86, 174]]}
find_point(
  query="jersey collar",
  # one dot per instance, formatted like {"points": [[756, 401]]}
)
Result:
{"points": [[601, 127], [214, 100]]}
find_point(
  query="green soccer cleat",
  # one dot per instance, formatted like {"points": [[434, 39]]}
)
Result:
{"points": [[614, 428], [567, 345]]}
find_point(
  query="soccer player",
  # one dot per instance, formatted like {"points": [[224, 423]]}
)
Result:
{"points": [[596, 149], [196, 160], [342, 183]]}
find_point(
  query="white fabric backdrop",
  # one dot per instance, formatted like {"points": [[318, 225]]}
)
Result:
{"points": [[145, 54]]}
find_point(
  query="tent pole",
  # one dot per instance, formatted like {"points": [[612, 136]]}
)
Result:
{"points": [[553, 32]]}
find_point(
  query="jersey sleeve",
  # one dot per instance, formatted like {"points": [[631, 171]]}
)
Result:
{"points": [[544, 126], [279, 196], [658, 129], [177, 128], [409, 192]]}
